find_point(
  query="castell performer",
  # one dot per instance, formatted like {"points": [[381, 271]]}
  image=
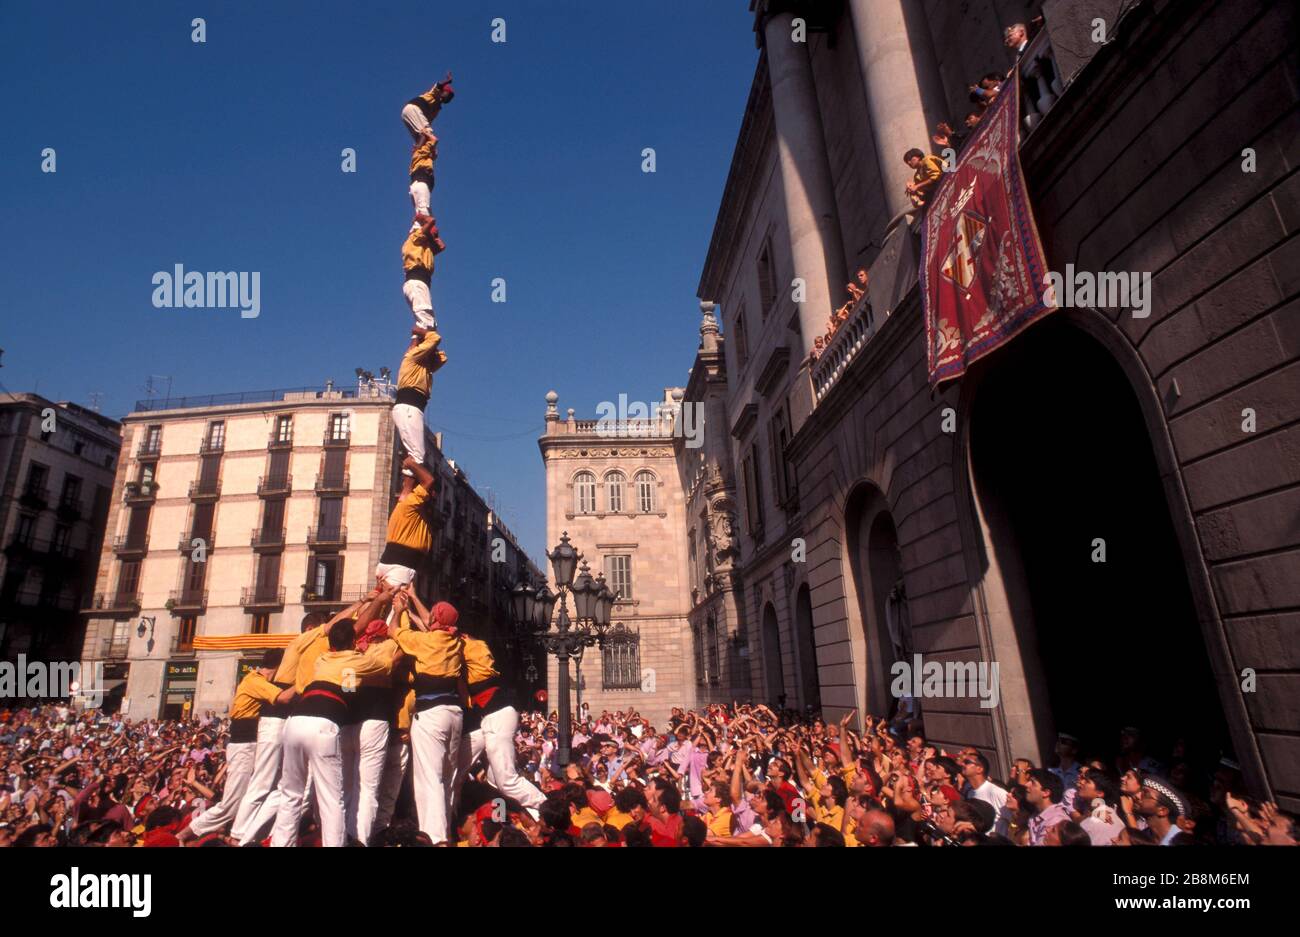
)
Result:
{"points": [[422, 244], [436, 727], [414, 380], [417, 115], [364, 774], [320, 737], [409, 537], [262, 799], [489, 728], [254, 692]]}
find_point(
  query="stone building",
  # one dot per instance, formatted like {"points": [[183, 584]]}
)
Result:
{"points": [[879, 518], [238, 514], [613, 486], [58, 461]]}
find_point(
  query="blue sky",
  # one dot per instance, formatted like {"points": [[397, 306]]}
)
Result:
{"points": [[226, 156]]}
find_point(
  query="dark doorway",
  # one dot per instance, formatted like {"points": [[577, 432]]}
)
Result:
{"points": [[772, 671], [1061, 458], [809, 685]]}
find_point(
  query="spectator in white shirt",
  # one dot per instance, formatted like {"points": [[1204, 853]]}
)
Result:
{"points": [[975, 769]]}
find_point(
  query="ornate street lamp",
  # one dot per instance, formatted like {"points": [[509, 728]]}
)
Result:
{"points": [[567, 640]]}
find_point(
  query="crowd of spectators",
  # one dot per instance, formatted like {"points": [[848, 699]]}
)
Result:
{"points": [[732, 776]]}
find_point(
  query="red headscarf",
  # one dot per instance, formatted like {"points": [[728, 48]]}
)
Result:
{"points": [[445, 616], [377, 630]]}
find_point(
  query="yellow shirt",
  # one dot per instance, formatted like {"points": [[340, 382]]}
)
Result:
{"points": [[720, 822], [300, 657], [436, 653], [416, 370], [252, 692], [618, 819], [479, 663], [385, 654], [346, 669], [417, 253], [586, 815], [407, 527], [929, 171], [423, 156]]}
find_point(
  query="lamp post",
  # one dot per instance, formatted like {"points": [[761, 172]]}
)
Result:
{"points": [[592, 602]]}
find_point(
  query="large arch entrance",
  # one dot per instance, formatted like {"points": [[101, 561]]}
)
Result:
{"points": [[773, 677], [810, 691], [876, 566], [1062, 468]]}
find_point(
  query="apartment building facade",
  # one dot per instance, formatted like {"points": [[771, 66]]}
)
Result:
{"points": [[58, 462], [235, 516]]}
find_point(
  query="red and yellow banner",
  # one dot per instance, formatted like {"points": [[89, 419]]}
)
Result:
{"points": [[983, 273], [241, 642]]}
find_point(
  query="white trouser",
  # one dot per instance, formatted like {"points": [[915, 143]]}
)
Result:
{"points": [[395, 574], [311, 743], [240, 757], [409, 422], [499, 744], [396, 761], [471, 749], [435, 741], [420, 199], [416, 122], [262, 799], [364, 774], [421, 302]]}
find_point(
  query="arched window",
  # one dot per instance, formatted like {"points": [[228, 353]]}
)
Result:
{"points": [[645, 492], [614, 483], [584, 493]]}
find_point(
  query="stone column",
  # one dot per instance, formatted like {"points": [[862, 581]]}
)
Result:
{"points": [[904, 93], [811, 213]]}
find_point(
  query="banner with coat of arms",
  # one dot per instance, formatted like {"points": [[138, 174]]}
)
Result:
{"points": [[983, 273]]}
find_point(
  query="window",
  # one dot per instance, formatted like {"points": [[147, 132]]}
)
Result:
{"points": [[711, 650], [327, 577], [753, 494], [25, 530], [194, 578], [185, 634], [37, 476], [584, 493], [778, 438], [620, 576], [261, 623], [146, 473], [740, 341], [71, 490], [59, 543], [614, 483], [216, 436], [645, 491], [128, 579], [766, 279], [621, 660], [284, 430], [338, 431], [152, 440], [701, 675], [330, 519]]}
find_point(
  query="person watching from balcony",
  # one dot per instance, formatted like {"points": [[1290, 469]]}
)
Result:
{"points": [[929, 169]]}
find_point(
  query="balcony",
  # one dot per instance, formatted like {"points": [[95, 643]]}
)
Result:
{"points": [[212, 446], [182, 647], [1040, 81], [335, 437], [34, 497], [333, 484], [186, 544], [335, 597], [114, 650], [140, 492], [70, 509], [149, 449], [37, 551], [279, 442], [328, 537], [128, 546], [261, 597], [205, 489], [187, 600], [115, 603], [267, 539], [274, 485]]}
